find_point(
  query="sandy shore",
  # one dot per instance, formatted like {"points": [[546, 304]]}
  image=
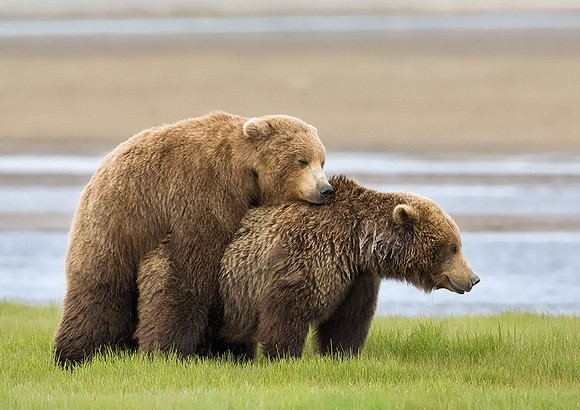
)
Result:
{"points": [[436, 93]]}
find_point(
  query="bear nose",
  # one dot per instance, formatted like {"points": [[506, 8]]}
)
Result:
{"points": [[326, 192], [475, 280]]}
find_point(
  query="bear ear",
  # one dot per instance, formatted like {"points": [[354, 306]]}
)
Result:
{"points": [[257, 128], [404, 214]]}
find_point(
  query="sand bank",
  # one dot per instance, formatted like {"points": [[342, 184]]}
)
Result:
{"points": [[441, 92]]}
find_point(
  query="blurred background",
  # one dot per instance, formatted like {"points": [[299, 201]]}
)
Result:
{"points": [[474, 104]]}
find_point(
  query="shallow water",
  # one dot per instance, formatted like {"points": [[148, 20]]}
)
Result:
{"points": [[290, 24], [524, 269]]}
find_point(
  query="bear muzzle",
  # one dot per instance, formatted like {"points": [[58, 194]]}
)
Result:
{"points": [[326, 192], [462, 288], [322, 195], [317, 190], [459, 278]]}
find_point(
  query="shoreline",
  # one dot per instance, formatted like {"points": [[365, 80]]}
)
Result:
{"points": [[498, 194]]}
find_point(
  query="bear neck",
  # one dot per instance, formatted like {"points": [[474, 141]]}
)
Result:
{"points": [[381, 250]]}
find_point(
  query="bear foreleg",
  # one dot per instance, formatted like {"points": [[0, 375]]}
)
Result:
{"points": [[345, 332], [281, 332], [237, 351], [283, 339]]}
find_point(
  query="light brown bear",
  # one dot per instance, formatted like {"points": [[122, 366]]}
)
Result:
{"points": [[293, 266], [192, 182]]}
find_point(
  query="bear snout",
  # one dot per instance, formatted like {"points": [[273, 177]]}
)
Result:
{"points": [[457, 284], [326, 192], [460, 277], [462, 288], [454, 287]]}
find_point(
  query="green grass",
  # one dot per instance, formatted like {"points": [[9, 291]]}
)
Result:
{"points": [[512, 360]]}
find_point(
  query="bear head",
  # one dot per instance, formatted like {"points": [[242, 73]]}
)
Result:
{"points": [[430, 247], [288, 161], [410, 238]]}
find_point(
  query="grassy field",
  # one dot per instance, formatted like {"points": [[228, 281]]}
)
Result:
{"points": [[512, 360]]}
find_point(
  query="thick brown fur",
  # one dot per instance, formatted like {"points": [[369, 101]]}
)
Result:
{"points": [[293, 266], [187, 184]]}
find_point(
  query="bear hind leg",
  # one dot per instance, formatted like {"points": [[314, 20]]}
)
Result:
{"points": [[173, 316], [95, 320], [173, 331]]}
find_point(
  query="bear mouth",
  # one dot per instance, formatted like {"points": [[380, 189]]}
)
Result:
{"points": [[456, 287]]}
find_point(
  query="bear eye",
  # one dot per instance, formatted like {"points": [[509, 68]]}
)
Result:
{"points": [[454, 249], [303, 162], [322, 164]]}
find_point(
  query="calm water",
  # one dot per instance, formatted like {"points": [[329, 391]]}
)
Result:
{"points": [[522, 267], [290, 24]]}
